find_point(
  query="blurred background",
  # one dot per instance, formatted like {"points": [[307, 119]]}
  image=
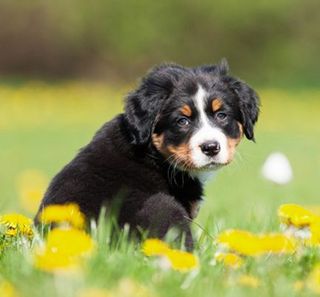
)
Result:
{"points": [[65, 67], [267, 42]]}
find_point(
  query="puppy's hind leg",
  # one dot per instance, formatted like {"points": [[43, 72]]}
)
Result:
{"points": [[161, 212]]}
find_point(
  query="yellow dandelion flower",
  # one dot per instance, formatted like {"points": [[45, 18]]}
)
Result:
{"points": [[296, 215], [51, 261], [67, 213], [242, 242], [130, 288], [229, 259], [31, 186], [315, 234], [313, 281], [298, 285], [315, 209], [182, 261], [8, 290], [248, 280], [154, 247], [276, 243], [70, 242], [246, 243], [93, 292], [14, 224], [178, 260], [64, 250]]}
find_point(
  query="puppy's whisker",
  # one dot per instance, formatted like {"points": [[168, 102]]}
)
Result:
{"points": [[172, 169], [176, 163], [237, 160], [238, 156]]}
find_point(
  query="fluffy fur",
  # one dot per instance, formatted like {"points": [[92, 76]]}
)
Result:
{"points": [[178, 125]]}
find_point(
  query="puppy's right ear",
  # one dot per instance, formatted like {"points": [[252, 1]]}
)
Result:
{"points": [[222, 68], [144, 104]]}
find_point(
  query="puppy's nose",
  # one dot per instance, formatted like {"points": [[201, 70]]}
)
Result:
{"points": [[210, 148]]}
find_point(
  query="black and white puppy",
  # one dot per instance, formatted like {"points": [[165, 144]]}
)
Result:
{"points": [[179, 125]]}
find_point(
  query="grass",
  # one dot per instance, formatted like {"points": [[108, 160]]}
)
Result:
{"points": [[42, 126]]}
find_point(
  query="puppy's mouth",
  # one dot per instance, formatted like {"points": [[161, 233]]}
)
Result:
{"points": [[189, 166], [213, 165]]}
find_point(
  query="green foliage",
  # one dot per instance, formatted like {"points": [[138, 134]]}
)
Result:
{"points": [[42, 126], [270, 42]]}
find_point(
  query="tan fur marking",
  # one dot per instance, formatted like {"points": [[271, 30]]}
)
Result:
{"points": [[157, 140], [241, 129], [186, 110], [216, 104], [233, 143], [181, 154]]}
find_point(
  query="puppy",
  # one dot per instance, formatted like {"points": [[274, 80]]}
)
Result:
{"points": [[152, 160]]}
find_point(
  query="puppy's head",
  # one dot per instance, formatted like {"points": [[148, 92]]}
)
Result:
{"points": [[195, 117]]}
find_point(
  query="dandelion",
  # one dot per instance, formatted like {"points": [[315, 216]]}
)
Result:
{"points": [[315, 209], [16, 224], [313, 281], [154, 247], [301, 222], [177, 260], [298, 285], [67, 213], [31, 186], [246, 243], [242, 242], [64, 249], [70, 242], [8, 290], [248, 280], [276, 243], [229, 259], [315, 234], [182, 261], [296, 215], [51, 261], [130, 288]]}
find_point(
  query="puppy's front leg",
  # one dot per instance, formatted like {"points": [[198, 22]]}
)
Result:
{"points": [[161, 212]]}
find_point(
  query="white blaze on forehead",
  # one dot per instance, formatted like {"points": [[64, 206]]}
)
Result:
{"points": [[206, 132]]}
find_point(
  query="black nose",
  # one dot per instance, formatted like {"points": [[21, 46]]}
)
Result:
{"points": [[211, 148]]}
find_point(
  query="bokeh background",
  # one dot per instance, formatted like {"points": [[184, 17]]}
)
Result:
{"points": [[65, 67]]}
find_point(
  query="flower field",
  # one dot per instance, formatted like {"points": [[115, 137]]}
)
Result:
{"points": [[252, 236]]}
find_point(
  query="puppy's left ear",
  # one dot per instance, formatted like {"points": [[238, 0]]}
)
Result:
{"points": [[145, 103], [249, 104]]}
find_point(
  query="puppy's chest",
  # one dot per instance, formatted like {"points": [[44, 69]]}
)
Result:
{"points": [[189, 193]]}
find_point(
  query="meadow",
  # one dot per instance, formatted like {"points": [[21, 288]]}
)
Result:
{"points": [[43, 125]]}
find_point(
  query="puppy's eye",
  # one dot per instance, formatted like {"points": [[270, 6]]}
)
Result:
{"points": [[221, 116], [183, 122]]}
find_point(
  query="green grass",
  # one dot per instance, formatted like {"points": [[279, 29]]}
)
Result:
{"points": [[42, 127]]}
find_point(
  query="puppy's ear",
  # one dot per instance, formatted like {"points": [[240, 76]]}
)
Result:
{"points": [[222, 68], [248, 105], [144, 104]]}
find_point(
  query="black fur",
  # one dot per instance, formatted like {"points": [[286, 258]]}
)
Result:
{"points": [[121, 163], [248, 105]]}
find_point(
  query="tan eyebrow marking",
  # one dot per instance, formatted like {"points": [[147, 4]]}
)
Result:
{"points": [[216, 104], [157, 140], [186, 110]]}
